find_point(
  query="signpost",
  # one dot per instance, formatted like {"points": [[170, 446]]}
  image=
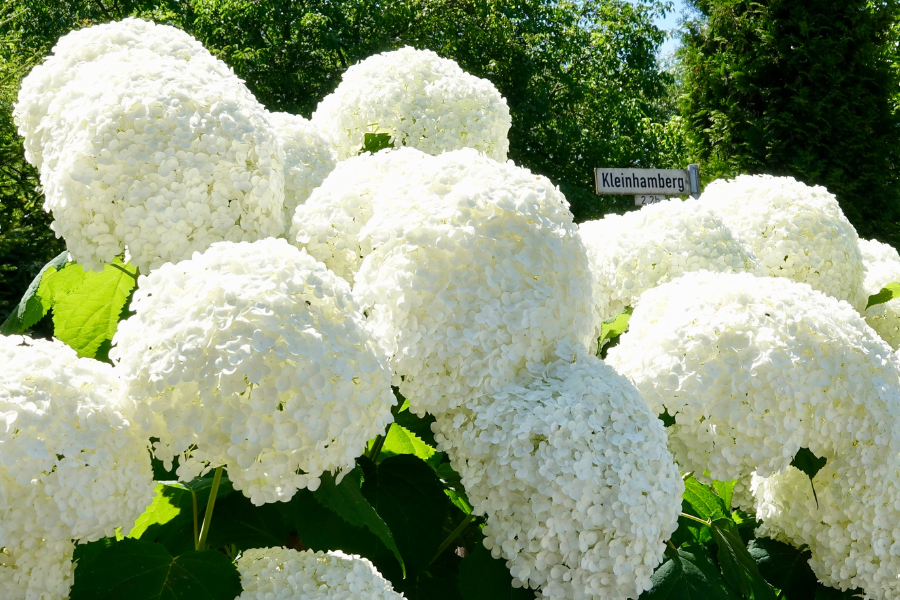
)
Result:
{"points": [[648, 185]]}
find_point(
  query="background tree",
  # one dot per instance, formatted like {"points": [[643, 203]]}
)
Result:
{"points": [[581, 79], [804, 88]]}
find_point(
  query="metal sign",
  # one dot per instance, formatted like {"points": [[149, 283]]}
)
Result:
{"points": [[648, 182], [642, 199]]}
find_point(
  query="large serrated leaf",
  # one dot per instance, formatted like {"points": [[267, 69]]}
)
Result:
{"points": [[33, 306], [401, 440], [785, 568], [701, 501], [725, 491], [410, 498], [144, 571], [453, 487], [688, 573], [88, 315], [347, 501], [55, 285], [738, 567], [887, 293], [237, 521], [169, 520], [163, 509], [421, 426]]}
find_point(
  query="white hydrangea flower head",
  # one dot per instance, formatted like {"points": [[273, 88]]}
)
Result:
{"points": [[329, 223], [256, 357], [755, 368], [474, 273], [308, 159], [421, 100], [882, 264], [285, 574], [797, 231], [79, 48], [44, 570], [153, 153], [639, 250], [72, 466], [849, 523], [573, 473]]}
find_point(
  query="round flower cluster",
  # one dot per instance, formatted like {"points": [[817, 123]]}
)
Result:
{"points": [[474, 272], [882, 264], [634, 252], [755, 368], [849, 523], [150, 152], [81, 47], [328, 225], [256, 357], [421, 100], [71, 466], [798, 232], [308, 159], [285, 574], [574, 476]]}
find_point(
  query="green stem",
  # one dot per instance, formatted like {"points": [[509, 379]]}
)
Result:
{"points": [[124, 270], [196, 531], [453, 535], [378, 444], [214, 490], [693, 518]]}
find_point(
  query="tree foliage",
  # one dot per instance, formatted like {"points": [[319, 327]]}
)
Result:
{"points": [[581, 80], [800, 88]]}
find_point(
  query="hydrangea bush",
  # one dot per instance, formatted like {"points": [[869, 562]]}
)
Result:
{"points": [[364, 356]]}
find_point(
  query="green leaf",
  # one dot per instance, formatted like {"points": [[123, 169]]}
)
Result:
{"points": [[699, 500], [688, 573], [160, 522], [33, 306], [612, 329], [458, 500], [702, 502], [57, 284], [401, 440], [373, 142], [453, 487], [237, 521], [483, 577], [667, 419], [725, 491], [162, 510], [319, 528], [810, 464], [420, 426], [143, 571], [347, 501], [887, 293], [738, 567], [785, 568], [410, 498], [89, 314]]}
